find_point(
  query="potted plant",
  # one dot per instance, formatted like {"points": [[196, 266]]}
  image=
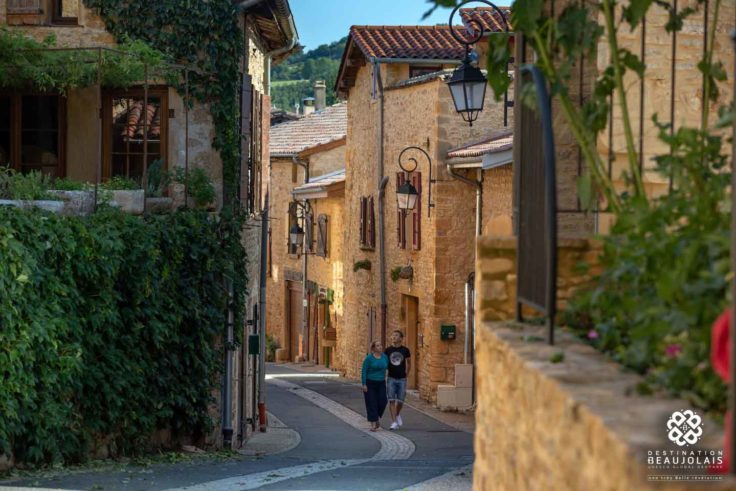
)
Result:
{"points": [[27, 191], [124, 193], [78, 197]]}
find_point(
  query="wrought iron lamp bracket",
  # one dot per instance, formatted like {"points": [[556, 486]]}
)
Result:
{"points": [[410, 164]]}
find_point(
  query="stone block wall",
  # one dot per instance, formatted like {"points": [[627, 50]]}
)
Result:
{"points": [[498, 202], [573, 425], [496, 273]]}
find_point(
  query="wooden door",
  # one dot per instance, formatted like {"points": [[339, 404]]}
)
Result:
{"points": [[411, 334], [294, 321]]}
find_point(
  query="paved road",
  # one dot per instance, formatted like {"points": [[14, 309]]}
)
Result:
{"points": [[336, 451]]}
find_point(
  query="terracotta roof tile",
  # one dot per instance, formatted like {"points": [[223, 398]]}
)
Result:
{"points": [[491, 144], [415, 42], [490, 19], [319, 128]]}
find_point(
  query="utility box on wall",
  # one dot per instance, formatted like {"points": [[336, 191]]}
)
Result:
{"points": [[447, 332], [254, 344]]}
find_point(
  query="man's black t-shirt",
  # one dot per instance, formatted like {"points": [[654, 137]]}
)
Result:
{"points": [[397, 361]]}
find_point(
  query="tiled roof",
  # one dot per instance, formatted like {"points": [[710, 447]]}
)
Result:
{"points": [[415, 42], [319, 128], [421, 79], [490, 19], [321, 183], [493, 144]]}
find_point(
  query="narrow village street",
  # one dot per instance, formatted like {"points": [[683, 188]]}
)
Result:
{"points": [[318, 439]]}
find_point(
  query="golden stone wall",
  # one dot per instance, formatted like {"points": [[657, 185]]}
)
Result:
{"points": [[421, 115]]}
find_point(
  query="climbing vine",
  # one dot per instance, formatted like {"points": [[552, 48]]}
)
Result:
{"points": [[204, 35]]}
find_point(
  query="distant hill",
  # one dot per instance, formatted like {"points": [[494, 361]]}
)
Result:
{"points": [[293, 79]]}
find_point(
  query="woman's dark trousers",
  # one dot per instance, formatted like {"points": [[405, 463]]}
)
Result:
{"points": [[375, 399]]}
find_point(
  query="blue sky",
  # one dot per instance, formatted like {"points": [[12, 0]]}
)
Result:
{"points": [[324, 21]]}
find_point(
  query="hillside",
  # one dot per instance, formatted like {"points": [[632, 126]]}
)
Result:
{"points": [[293, 79]]}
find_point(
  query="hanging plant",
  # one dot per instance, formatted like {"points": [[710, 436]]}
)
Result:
{"points": [[363, 264]]}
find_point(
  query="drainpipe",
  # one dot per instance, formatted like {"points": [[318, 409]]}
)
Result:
{"points": [[262, 318], [305, 296], [478, 184], [381, 188], [227, 394]]}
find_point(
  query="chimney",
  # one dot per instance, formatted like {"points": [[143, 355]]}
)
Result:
{"points": [[320, 95], [308, 105]]}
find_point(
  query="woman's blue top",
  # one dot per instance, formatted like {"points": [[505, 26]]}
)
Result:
{"points": [[374, 368]]}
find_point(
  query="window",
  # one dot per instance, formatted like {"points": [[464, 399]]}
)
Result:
{"points": [[322, 235], [31, 133], [309, 233], [65, 11], [417, 71], [367, 223], [132, 132], [400, 214], [24, 7]]}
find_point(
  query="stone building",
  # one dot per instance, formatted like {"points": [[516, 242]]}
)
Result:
{"points": [[306, 189], [95, 133], [410, 270]]}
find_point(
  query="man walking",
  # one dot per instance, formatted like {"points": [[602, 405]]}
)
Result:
{"points": [[399, 358]]}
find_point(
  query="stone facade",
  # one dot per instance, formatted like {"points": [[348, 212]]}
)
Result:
{"points": [[190, 136], [577, 264], [323, 273], [423, 115]]}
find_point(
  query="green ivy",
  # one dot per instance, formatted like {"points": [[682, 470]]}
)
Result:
{"points": [[204, 35], [107, 325]]}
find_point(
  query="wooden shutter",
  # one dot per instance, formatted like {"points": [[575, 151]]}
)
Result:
{"points": [[400, 214], [322, 236], [309, 233], [416, 216], [371, 224], [246, 137], [24, 7], [363, 221]]}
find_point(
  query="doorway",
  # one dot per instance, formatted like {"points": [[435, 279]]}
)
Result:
{"points": [[411, 333], [294, 313]]}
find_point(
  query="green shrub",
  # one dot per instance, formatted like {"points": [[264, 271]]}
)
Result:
{"points": [[120, 183], [271, 346], [108, 326], [198, 184], [30, 186], [66, 184], [665, 275]]}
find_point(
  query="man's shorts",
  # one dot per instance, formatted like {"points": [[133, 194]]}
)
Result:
{"points": [[396, 389]]}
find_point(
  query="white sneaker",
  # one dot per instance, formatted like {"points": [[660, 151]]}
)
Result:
{"points": [[394, 425], [398, 420]]}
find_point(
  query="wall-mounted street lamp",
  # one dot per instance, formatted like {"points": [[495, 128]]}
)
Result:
{"points": [[468, 84], [407, 195], [297, 236]]}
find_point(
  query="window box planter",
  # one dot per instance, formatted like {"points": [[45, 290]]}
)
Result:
{"points": [[48, 205], [159, 205], [128, 200], [76, 202]]}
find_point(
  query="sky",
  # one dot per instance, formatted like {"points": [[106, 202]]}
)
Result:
{"points": [[325, 21]]}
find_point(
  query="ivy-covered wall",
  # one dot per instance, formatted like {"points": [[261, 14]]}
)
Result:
{"points": [[107, 329]]}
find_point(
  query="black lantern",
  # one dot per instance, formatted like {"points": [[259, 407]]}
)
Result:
{"points": [[468, 89], [406, 196], [296, 235], [468, 84]]}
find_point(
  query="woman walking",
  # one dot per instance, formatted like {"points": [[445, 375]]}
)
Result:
{"points": [[373, 378]]}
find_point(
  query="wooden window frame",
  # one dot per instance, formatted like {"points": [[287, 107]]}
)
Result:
{"points": [[16, 127], [13, 10], [56, 17], [136, 92], [367, 223]]}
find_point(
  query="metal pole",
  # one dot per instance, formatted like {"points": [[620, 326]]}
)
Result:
{"points": [[227, 396], [305, 295], [732, 327], [262, 318]]}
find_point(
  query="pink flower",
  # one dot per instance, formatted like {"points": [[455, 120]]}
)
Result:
{"points": [[672, 350], [593, 334]]}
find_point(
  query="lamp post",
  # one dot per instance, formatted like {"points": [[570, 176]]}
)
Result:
{"points": [[468, 84], [298, 238], [407, 195]]}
